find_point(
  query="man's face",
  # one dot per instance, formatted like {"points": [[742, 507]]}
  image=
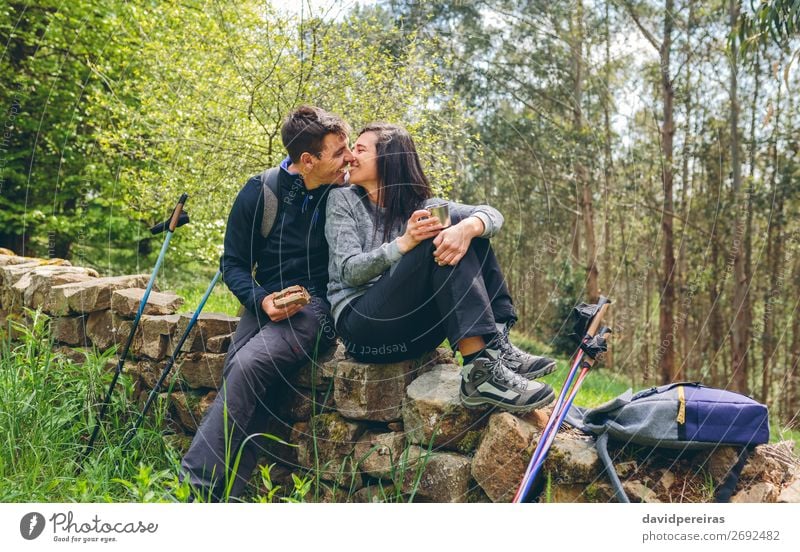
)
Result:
{"points": [[329, 167]]}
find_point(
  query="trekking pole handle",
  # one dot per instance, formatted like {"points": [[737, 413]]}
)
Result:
{"points": [[176, 213], [598, 318]]}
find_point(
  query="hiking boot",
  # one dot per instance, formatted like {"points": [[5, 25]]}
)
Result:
{"points": [[525, 364], [488, 381]]}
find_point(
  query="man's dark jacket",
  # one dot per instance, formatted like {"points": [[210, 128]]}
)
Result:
{"points": [[295, 252]]}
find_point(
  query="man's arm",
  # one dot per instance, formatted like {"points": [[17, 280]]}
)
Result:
{"points": [[469, 222], [492, 218], [238, 260]]}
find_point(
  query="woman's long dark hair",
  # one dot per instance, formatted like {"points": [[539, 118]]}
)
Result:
{"points": [[402, 185]]}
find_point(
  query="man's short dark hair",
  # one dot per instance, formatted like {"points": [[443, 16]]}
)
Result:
{"points": [[306, 127]]}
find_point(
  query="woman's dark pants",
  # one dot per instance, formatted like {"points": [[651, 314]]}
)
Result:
{"points": [[415, 305]]}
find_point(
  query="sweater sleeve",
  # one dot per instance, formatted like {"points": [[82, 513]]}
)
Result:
{"points": [[238, 258], [353, 266], [491, 217]]}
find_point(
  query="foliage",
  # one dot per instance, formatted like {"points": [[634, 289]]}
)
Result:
{"points": [[776, 20], [47, 399], [553, 112], [56, 190], [214, 81], [117, 109], [525, 74]]}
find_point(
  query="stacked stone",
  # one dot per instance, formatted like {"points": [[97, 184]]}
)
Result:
{"points": [[380, 431], [369, 432], [196, 376], [89, 311], [25, 282]]}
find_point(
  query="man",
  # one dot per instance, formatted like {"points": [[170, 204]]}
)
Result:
{"points": [[271, 342]]}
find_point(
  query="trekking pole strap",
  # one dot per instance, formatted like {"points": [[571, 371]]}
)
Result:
{"points": [[595, 345]]}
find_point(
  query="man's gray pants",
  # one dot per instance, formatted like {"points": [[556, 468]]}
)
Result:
{"points": [[261, 359]]}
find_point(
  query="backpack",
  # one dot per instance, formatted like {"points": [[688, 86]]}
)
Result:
{"points": [[269, 185], [681, 415], [272, 204]]}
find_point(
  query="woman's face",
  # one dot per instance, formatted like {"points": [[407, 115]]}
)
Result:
{"points": [[364, 167]]}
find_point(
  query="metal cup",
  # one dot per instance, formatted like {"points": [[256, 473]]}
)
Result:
{"points": [[442, 211]]}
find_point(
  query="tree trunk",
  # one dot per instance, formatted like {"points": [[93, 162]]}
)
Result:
{"points": [[583, 185], [769, 341], [791, 404], [682, 325], [748, 239], [608, 167], [666, 314], [740, 339], [647, 376], [715, 317], [592, 286]]}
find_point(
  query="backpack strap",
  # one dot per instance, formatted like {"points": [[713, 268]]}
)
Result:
{"points": [[269, 184], [724, 491], [722, 495], [602, 451], [576, 417], [271, 192]]}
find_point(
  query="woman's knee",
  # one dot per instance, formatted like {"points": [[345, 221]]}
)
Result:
{"points": [[423, 251]]}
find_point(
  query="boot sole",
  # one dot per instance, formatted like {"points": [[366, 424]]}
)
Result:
{"points": [[477, 402], [549, 369]]}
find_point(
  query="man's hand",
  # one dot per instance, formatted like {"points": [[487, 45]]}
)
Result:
{"points": [[276, 314], [452, 243]]}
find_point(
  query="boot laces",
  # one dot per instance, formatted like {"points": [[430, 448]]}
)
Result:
{"points": [[507, 350], [506, 375]]}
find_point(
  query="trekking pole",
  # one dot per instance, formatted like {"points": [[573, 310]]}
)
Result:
{"points": [[178, 218], [593, 343], [171, 360]]}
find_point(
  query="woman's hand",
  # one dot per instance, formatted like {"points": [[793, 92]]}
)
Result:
{"points": [[421, 226], [452, 243]]}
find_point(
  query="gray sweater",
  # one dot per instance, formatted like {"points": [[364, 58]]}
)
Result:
{"points": [[358, 255]]}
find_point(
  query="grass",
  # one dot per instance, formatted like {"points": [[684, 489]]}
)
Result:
{"points": [[778, 434], [48, 405], [47, 414], [598, 387], [221, 299], [191, 284], [45, 421], [48, 408]]}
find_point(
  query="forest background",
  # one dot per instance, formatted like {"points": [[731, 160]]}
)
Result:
{"points": [[647, 151]]}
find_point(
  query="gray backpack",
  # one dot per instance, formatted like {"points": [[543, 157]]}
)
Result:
{"points": [[682, 416], [272, 204], [269, 185]]}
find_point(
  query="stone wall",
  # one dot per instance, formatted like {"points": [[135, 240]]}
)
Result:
{"points": [[368, 431]]}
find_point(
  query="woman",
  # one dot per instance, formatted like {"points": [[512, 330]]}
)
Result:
{"points": [[400, 282]]}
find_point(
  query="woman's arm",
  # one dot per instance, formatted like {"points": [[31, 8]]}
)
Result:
{"points": [[468, 222], [353, 265]]}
